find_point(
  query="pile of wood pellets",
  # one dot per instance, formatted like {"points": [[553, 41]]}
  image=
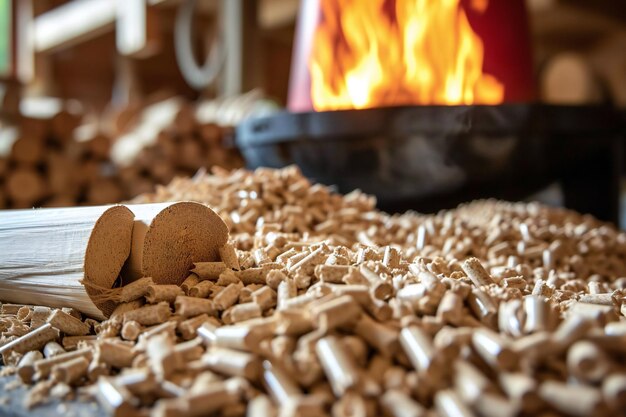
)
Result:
{"points": [[323, 306]]}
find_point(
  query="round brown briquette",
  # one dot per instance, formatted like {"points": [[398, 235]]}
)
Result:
{"points": [[181, 234]]}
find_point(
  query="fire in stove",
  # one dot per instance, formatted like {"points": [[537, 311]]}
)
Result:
{"points": [[429, 103], [379, 53]]}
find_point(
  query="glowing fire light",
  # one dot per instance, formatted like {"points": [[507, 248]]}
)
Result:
{"points": [[422, 52]]}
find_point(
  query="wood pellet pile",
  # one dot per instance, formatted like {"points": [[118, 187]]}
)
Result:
{"points": [[322, 305]]}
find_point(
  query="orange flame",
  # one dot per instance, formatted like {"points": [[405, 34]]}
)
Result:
{"points": [[427, 54]]}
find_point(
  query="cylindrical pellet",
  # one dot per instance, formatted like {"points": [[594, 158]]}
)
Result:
{"points": [[26, 368], [398, 404], [242, 312], [229, 256], [575, 400], [494, 405], [123, 308], [264, 297], [419, 349], [115, 354], [52, 349], [43, 366], [448, 404], [71, 371], [201, 290], [191, 307], [476, 272], [39, 316], [149, 315], [379, 288], [337, 364], [494, 349], [135, 290], [279, 384], [227, 297], [510, 318], [189, 283], [469, 382], [572, 329], [163, 360], [187, 328], [131, 330], [522, 389], [537, 312], [450, 308], [232, 363], [209, 270], [341, 311], [116, 399], [614, 391], [587, 362], [382, 337], [158, 293], [260, 406], [332, 273], [483, 307], [240, 337]]}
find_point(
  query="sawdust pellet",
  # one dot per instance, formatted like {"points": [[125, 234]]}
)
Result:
{"points": [[191, 306], [149, 315], [321, 305], [68, 324], [162, 293]]}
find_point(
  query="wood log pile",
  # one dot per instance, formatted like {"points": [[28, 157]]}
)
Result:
{"points": [[179, 148], [62, 162], [46, 166], [321, 305]]}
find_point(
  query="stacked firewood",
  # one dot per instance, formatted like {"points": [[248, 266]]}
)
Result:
{"points": [[178, 149], [59, 162], [47, 166]]}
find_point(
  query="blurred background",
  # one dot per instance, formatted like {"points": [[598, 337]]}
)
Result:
{"points": [[424, 104]]}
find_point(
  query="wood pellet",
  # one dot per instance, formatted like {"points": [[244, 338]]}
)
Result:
{"points": [[322, 305]]}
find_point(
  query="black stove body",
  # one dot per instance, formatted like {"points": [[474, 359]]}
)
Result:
{"points": [[429, 158]]}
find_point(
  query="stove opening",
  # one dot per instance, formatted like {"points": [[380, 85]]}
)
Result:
{"points": [[354, 54]]}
